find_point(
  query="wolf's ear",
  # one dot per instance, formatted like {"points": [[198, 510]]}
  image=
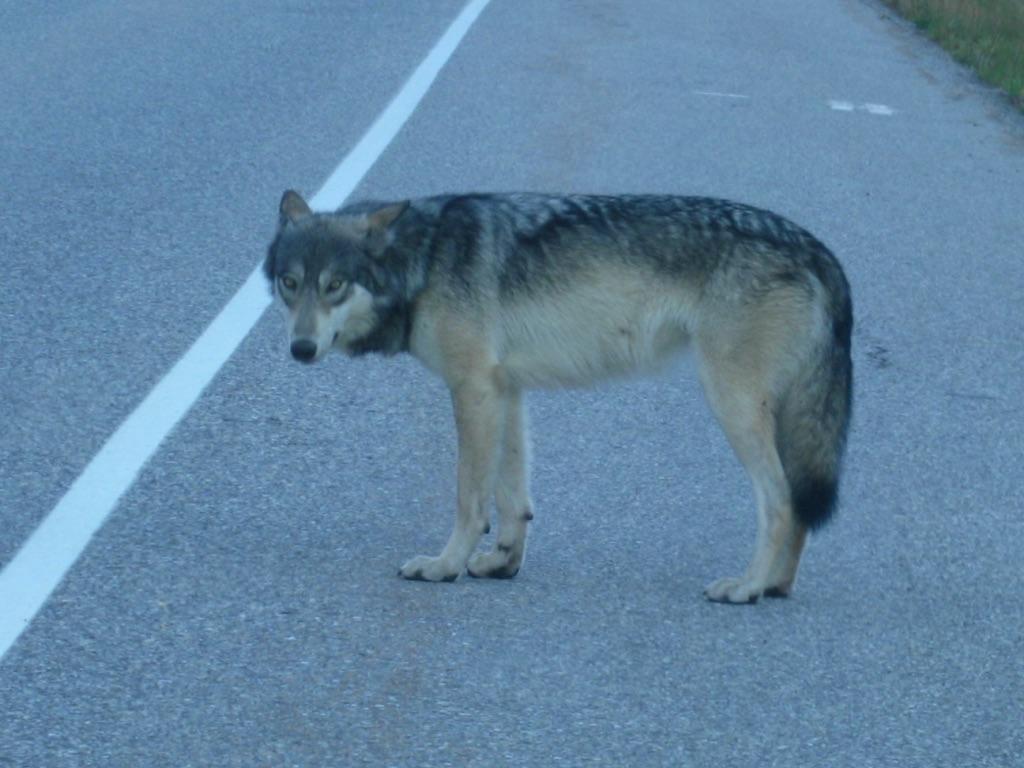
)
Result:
{"points": [[293, 208], [379, 236], [382, 218]]}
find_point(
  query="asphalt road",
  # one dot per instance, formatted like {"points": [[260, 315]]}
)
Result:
{"points": [[240, 606]]}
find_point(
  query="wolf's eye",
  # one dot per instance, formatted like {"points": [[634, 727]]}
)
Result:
{"points": [[289, 283], [334, 286]]}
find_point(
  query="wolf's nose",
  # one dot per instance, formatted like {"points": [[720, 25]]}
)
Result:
{"points": [[304, 350]]}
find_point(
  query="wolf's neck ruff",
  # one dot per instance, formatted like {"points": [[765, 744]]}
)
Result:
{"points": [[391, 334]]}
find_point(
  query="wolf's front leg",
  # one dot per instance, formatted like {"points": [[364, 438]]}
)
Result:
{"points": [[513, 499], [479, 418]]}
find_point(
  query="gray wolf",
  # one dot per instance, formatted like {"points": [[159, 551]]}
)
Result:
{"points": [[498, 293]]}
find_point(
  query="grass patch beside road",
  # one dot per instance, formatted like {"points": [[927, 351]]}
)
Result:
{"points": [[986, 35]]}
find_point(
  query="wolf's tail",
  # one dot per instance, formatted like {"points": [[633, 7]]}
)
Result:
{"points": [[813, 417]]}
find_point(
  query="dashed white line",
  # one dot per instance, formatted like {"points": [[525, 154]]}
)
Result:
{"points": [[722, 95], [878, 109], [849, 106], [42, 561], [837, 104]]}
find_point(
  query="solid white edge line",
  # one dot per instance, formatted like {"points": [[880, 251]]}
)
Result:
{"points": [[355, 165], [41, 563]]}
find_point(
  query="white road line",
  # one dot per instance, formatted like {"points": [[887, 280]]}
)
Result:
{"points": [[722, 95], [43, 560], [849, 106], [878, 109], [365, 153]]}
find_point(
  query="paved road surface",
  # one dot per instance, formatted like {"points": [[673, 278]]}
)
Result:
{"points": [[240, 607]]}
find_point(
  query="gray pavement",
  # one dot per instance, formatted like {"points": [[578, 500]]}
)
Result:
{"points": [[240, 607]]}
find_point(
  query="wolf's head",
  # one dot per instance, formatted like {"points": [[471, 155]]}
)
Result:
{"points": [[331, 273]]}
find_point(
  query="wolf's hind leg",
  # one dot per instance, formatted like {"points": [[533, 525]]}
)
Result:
{"points": [[480, 408], [512, 497], [746, 415]]}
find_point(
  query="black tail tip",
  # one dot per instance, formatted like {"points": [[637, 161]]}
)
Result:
{"points": [[814, 501]]}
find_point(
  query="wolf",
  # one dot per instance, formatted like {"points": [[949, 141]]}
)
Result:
{"points": [[500, 293]]}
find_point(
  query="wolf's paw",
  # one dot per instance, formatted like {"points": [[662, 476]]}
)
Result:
{"points": [[737, 591], [425, 568], [496, 564]]}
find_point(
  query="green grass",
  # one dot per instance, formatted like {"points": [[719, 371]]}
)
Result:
{"points": [[986, 35]]}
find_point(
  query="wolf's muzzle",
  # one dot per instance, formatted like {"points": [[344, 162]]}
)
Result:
{"points": [[304, 350]]}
